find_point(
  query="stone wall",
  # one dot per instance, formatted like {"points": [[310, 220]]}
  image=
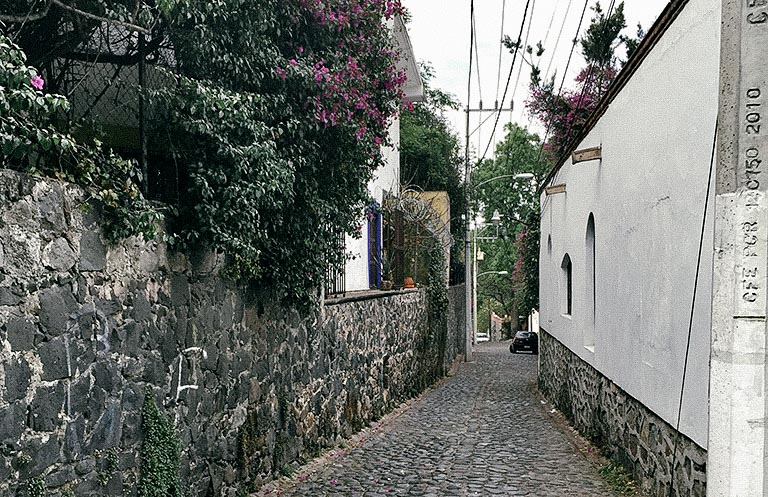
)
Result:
{"points": [[86, 330], [456, 342], [625, 429]]}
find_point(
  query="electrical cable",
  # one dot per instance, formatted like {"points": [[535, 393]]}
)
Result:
{"points": [[498, 72], [477, 62], [479, 84], [693, 308], [509, 79], [588, 80], [551, 21], [602, 74], [525, 44], [557, 42], [559, 91], [481, 124], [501, 47], [469, 96]]}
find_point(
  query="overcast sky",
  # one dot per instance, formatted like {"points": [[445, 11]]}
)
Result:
{"points": [[439, 31]]}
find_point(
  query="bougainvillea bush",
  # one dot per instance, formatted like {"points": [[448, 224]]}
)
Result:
{"points": [[565, 111], [281, 110], [274, 112]]}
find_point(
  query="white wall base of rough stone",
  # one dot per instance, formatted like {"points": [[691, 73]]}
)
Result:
{"points": [[626, 430]]}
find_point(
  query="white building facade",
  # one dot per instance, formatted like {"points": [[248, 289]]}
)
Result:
{"points": [[619, 261], [363, 270]]}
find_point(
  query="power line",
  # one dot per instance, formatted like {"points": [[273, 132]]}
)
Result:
{"points": [[525, 44], [477, 61], [551, 20], [590, 74], [693, 307], [501, 47], [559, 91], [557, 42], [469, 92], [509, 78]]}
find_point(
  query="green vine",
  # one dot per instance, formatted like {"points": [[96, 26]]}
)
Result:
{"points": [[275, 117], [36, 487], [111, 466], [437, 304], [160, 453]]}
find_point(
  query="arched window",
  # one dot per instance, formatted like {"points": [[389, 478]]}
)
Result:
{"points": [[567, 284], [589, 279]]}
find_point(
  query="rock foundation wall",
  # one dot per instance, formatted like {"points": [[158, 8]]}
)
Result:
{"points": [[625, 429], [86, 330]]}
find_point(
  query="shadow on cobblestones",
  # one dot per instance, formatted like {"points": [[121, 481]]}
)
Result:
{"points": [[483, 432]]}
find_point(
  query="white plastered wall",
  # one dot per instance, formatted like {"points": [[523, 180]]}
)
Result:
{"points": [[647, 196], [386, 179]]}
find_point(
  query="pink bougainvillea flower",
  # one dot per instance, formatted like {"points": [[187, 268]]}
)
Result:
{"points": [[334, 481], [292, 62], [37, 82]]}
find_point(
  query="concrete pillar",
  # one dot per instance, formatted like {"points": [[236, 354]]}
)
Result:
{"points": [[737, 413]]}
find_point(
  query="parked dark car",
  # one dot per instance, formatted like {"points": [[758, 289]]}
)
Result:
{"points": [[525, 340]]}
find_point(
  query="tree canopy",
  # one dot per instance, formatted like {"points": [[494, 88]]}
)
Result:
{"points": [[517, 202], [430, 158], [565, 112]]}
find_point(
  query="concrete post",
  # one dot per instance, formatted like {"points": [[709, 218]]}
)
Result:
{"points": [[737, 413]]}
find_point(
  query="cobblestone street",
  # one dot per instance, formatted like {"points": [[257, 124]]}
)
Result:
{"points": [[482, 432]]}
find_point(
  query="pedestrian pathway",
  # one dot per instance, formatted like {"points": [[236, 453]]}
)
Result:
{"points": [[481, 433]]}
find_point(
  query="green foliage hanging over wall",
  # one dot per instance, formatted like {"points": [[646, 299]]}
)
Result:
{"points": [[31, 141], [281, 128], [274, 112]]}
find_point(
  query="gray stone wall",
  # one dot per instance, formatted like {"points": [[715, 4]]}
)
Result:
{"points": [[251, 388], [626, 430], [456, 339]]}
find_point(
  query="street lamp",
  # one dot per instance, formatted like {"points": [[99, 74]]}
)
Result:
{"points": [[496, 221], [500, 273], [513, 176]]}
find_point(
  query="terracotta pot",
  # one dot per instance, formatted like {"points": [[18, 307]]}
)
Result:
{"points": [[409, 282]]}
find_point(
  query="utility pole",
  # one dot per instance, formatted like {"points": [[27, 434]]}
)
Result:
{"points": [[468, 256], [738, 440]]}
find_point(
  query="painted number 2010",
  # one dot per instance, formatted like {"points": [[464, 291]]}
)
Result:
{"points": [[753, 106]]}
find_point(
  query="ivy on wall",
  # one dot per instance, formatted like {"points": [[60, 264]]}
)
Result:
{"points": [[160, 452]]}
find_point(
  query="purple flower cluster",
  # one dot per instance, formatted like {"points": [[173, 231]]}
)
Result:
{"points": [[349, 64], [566, 114]]}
